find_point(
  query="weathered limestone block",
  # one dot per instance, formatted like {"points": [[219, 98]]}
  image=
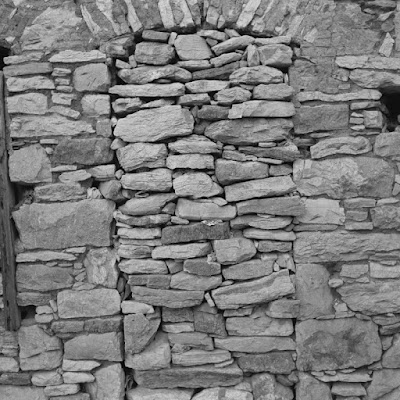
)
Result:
{"points": [[148, 266], [321, 118], [205, 86], [101, 267], [343, 246], [147, 74], [44, 126], [226, 97], [190, 161], [266, 383], [258, 291], [28, 69], [192, 47], [184, 281], [38, 277], [147, 205], [386, 217], [29, 165], [215, 394], [182, 251], [73, 56], [109, 383], [139, 331], [8, 364], [77, 377], [195, 232], [262, 108], [322, 211], [61, 225], [387, 145], [64, 389], [341, 145], [248, 270], [255, 344], [199, 211], [154, 53], [88, 303], [47, 378], [196, 185], [200, 357], [156, 180], [232, 44], [276, 55], [194, 144], [167, 298], [155, 124], [261, 326], [313, 291], [30, 103], [95, 346], [79, 366], [268, 187], [256, 75], [344, 177], [92, 78], [310, 388], [229, 171], [373, 79], [233, 251], [278, 91], [263, 234], [96, 105], [274, 362], [142, 393], [139, 155], [249, 131], [149, 90], [336, 344], [190, 377], [59, 192], [15, 85], [21, 392], [274, 206], [384, 381], [91, 151], [193, 340]]}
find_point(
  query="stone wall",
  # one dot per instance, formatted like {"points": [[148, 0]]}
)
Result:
{"points": [[208, 200]]}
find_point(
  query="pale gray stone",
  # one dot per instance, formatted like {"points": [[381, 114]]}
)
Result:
{"points": [[92, 78], [348, 389], [199, 211], [156, 180], [228, 171], [96, 105], [259, 325], [310, 388], [226, 97], [146, 266], [194, 144], [230, 393], [109, 383], [232, 44], [140, 155], [274, 206], [196, 185], [200, 357], [79, 365], [195, 340], [386, 145], [147, 74], [260, 221], [142, 393], [155, 124], [386, 217], [262, 234], [88, 303], [29, 103], [154, 53], [8, 364], [258, 291], [266, 383], [181, 251], [95, 346], [29, 165], [255, 344], [268, 187], [74, 56], [248, 270], [77, 377], [274, 362], [149, 90], [373, 79], [15, 85], [322, 211], [248, 131], [61, 225], [205, 86], [21, 392], [278, 91], [46, 378], [363, 94], [336, 344], [256, 75], [344, 177], [64, 389], [147, 205], [59, 192], [340, 145], [192, 47], [384, 381], [233, 251], [262, 108], [190, 161], [276, 55], [101, 269], [123, 106], [184, 281]]}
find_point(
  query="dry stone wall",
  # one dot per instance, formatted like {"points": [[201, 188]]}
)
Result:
{"points": [[208, 201]]}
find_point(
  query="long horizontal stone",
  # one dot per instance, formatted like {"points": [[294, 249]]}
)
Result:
{"points": [[155, 124], [88, 303], [234, 250], [140, 155], [256, 75], [149, 90], [261, 290], [182, 251], [155, 180], [62, 225], [147, 74], [274, 362], [147, 205], [190, 377], [142, 393], [167, 298], [73, 56], [228, 171], [195, 232], [22, 392], [248, 131], [260, 326], [255, 344], [340, 145], [44, 126], [368, 62], [39, 82], [199, 211], [247, 270], [341, 245], [363, 94], [28, 69], [275, 206], [200, 357], [375, 79], [262, 108], [146, 266], [184, 281], [344, 177], [288, 152], [268, 187]]}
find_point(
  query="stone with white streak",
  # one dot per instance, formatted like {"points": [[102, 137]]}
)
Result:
{"points": [[101, 267], [156, 180], [262, 108], [342, 145]]}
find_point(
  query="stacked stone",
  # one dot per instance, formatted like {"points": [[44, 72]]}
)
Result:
{"points": [[205, 238], [66, 268]]}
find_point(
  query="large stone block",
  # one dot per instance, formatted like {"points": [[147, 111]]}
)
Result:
{"points": [[103, 346], [101, 267], [199, 211], [321, 118], [139, 331], [275, 206], [257, 291], [387, 145], [343, 246], [30, 103], [29, 165], [154, 53], [62, 225], [255, 344], [322, 211], [344, 177], [190, 377], [142, 393], [139, 155], [310, 388], [21, 393], [155, 124], [274, 362], [229, 171], [92, 78], [340, 145], [386, 217], [88, 303], [337, 344]]}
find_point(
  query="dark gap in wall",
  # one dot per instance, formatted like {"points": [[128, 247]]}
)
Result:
{"points": [[4, 52], [392, 103]]}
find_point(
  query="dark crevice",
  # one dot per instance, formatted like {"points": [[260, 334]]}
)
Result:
{"points": [[392, 103]]}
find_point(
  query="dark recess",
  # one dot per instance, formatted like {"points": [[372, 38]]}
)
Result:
{"points": [[392, 103]]}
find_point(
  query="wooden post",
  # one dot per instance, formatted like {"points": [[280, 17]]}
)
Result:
{"points": [[7, 257]]}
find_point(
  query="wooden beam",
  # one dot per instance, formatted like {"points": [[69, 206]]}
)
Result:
{"points": [[12, 318]]}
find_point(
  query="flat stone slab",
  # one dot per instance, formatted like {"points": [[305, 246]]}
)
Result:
{"points": [[142, 393], [340, 145], [258, 291], [199, 211], [190, 377], [63, 225], [233, 251], [149, 90], [21, 392], [336, 344], [255, 344], [275, 206], [155, 124], [274, 362]]}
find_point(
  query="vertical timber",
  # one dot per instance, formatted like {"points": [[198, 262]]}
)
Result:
{"points": [[7, 257]]}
